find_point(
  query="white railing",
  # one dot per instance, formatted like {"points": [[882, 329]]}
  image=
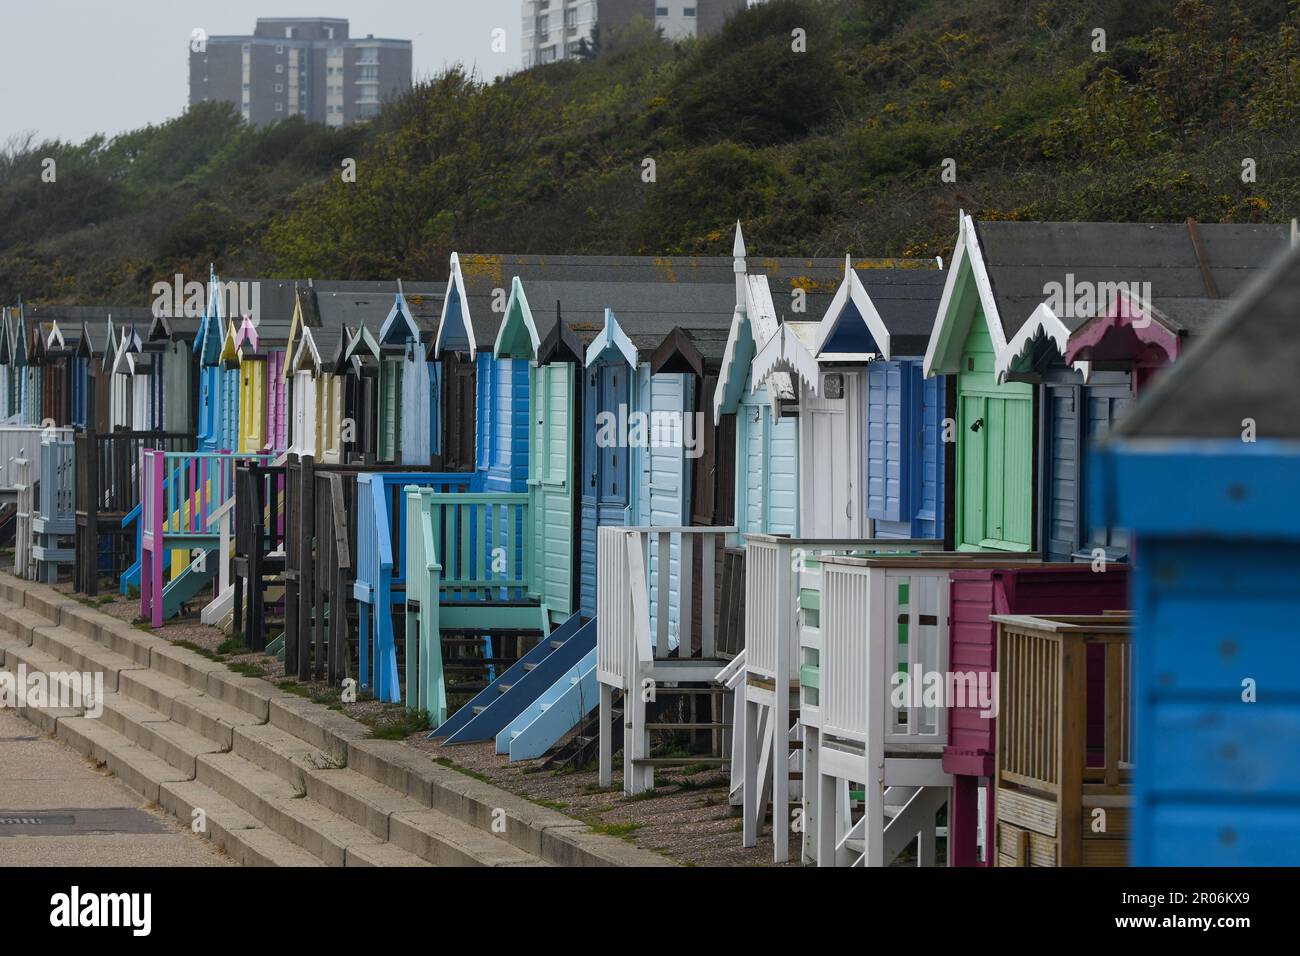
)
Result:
{"points": [[629, 604], [24, 441], [884, 629], [778, 571], [24, 561], [783, 602], [635, 644]]}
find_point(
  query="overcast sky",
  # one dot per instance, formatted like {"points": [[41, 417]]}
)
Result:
{"points": [[71, 68]]}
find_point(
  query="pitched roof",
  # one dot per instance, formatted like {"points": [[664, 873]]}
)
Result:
{"points": [[369, 303], [650, 295], [1022, 258], [1022, 274], [902, 301], [1244, 368]]}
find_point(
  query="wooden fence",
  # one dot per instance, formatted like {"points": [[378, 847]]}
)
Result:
{"points": [[108, 492]]}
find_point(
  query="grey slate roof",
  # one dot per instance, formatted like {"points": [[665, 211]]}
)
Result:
{"points": [[339, 299], [1244, 367], [95, 315], [907, 300], [368, 303], [649, 295], [1022, 257]]}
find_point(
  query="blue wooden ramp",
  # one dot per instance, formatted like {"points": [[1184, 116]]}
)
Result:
{"points": [[527, 679], [563, 706]]}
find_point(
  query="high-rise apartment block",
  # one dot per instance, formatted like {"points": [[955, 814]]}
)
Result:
{"points": [[555, 29], [307, 67]]}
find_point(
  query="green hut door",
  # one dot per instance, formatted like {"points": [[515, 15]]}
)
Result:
{"points": [[551, 480], [995, 447]]}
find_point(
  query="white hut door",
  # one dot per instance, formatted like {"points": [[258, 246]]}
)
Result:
{"points": [[832, 463]]}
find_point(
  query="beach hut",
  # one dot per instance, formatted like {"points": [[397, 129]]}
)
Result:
{"points": [[870, 431], [472, 313], [263, 388], [101, 364], [29, 373], [170, 340], [320, 376], [1023, 414], [131, 397], [7, 377], [58, 351], [388, 392], [553, 433], [217, 363], [1203, 473], [766, 440]]}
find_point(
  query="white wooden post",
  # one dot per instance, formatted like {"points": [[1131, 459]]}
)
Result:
{"points": [[606, 735], [787, 602], [753, 796]]}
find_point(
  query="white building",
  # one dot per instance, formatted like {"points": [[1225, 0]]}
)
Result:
{"points": [[554, 29]]}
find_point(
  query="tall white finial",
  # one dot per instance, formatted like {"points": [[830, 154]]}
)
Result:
{"points": [[738, 265]]}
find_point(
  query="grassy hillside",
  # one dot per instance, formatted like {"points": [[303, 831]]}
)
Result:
{"points": [[837, 148]]}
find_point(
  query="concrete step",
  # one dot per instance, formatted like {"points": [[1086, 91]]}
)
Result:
{"points": [[177, 744], [19, 621], [245, 840], [279, 806], [279, 779], [339, 814], [142, 771], [280, 752], [82, 654], [207, 715]]}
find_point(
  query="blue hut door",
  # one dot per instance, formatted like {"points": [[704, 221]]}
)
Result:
{"points": [[552, 481], [1063, 442], [1074, 417], [889, 447], [604, 469], [904, 450], [663, 498]]}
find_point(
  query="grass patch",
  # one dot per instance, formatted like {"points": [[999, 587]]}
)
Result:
{"points": [[552, 804], [696, 768], [450, 765], [247, 668], [234, 644], [399, 726], [197, 649], [623, 831]]}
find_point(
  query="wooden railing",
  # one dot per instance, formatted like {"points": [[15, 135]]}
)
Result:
{"points": [[320, 526], [182, 497], [484, 543], [24, 562], [380, 565], [1043, 724], [108, 494], [634, 596], [24, 441], [781, 574], [426, 688], [1045, 764], [259, 537], [327, 589]]}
